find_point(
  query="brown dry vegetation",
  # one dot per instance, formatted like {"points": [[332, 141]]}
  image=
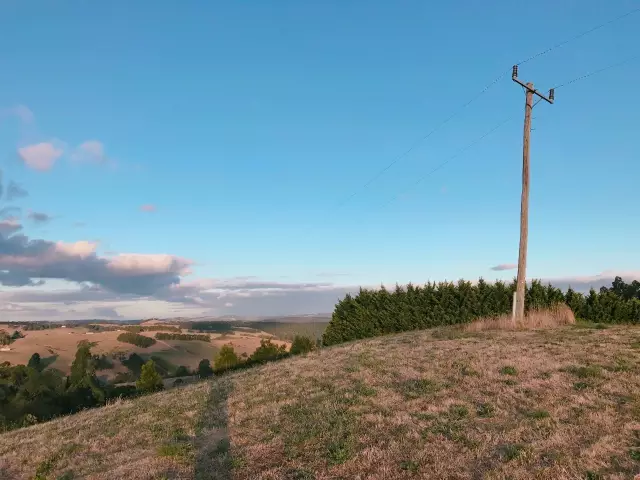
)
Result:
{"points": [[559, 315], [442, 404]]}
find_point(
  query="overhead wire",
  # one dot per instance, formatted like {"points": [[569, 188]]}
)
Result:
{"points": [[422, 139], [452, 157], [580, 35], [595, 72], [473, 143], [477, 96], [587, 75]]}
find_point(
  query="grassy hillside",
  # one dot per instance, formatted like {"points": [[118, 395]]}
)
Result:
{"points": [[561, 404]]}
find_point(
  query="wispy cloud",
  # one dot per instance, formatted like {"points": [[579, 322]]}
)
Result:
{"points": [[15, 191], [504, 266], [9, 212], [40, 156], [91, 151], [39, 217], [22, 112], [148, 208]]}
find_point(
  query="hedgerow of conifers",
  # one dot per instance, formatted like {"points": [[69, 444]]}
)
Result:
{"points": [[378, 312]]}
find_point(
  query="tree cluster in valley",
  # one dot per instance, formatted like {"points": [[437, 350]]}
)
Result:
{"points": [[136, 339], [34, 393], [183, 336], [227, 359], [30, 394], [8, 339]]}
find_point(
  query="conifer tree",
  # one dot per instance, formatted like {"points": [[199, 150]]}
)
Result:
{"points": [[150, 380]]}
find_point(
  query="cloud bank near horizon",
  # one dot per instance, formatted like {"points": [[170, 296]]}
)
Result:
{"points": [[133, 285], [145, 285]]}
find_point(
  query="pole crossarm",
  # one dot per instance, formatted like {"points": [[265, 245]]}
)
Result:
{"points": [[514, 77]]}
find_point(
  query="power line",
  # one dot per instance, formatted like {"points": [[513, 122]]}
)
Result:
{"points": [[420, 140], [587, 75], [477, 96], [452, 157], [580, 35], [468, 146]]}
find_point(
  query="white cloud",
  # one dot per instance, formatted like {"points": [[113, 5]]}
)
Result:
{"points": [[146, 264], [23, 259], [40, 156], [81, 249]]}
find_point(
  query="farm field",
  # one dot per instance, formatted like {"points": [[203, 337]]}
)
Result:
{"points": [[57, 347]]}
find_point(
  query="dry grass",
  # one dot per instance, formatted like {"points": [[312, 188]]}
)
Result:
{"points": [[559, 315], [149, 438], [448, 404]]}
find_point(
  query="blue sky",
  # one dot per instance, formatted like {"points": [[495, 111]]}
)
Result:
{"points": [[246, 125]]}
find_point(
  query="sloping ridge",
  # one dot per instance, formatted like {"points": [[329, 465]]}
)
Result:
{"points": [[558, 404]]}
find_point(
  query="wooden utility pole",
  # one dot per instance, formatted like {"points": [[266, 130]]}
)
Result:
{"points": [[524, 201]]}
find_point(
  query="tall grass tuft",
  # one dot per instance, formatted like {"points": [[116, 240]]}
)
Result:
{"points": [[556, 316]]}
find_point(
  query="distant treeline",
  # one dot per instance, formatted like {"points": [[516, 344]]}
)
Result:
{"points": [[39, 325], [104, 328], [377, 312], [135, 339], [132, 328], [182, 336], [213, 326], [166, 328]]}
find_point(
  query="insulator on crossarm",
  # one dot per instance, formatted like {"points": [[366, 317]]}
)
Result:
{"points": [[514, 73]]}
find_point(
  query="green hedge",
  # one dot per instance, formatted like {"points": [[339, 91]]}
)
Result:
{"points": [[377, 312]]}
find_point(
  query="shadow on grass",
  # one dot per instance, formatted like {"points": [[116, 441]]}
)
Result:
{"points": [[213, 456]]}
